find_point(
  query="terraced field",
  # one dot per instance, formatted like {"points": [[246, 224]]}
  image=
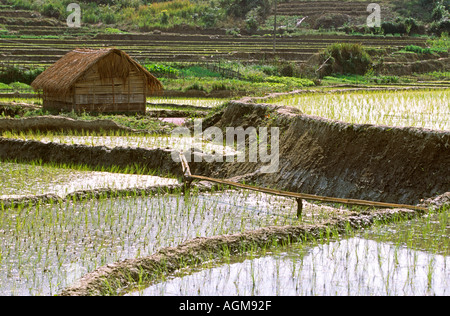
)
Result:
{"points": [[315, 8], [30, 39], [174, 47]]}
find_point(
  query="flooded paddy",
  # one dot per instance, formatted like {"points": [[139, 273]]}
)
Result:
{"points": [[425, 108], [20, 180], [132, 141], [405, 258], [47, 247], [197, 102]]}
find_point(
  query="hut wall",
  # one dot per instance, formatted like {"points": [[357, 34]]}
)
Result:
{"points": [[58, 102], [110, 94]]}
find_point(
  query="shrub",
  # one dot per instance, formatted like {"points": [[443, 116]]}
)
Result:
{"points": [[162, 70], [439, 12], [438, 28], [418, 50], [252, 21], [240, 8], [90, 17], [344, 58], [287, 71], [331, 21], [209, 18], [53, 10], [441, 44], [164, 17], [12, 74]]}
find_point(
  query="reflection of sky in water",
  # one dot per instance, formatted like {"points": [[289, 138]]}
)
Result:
{"points": [[353, 266]]}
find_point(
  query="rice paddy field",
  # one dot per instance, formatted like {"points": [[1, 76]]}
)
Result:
{"points": [[133, 141], [20, 180], [41, 51], [400, 259], [45, 247], [423, 108], [197, 102]]}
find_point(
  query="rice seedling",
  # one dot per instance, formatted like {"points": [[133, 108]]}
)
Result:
{"points": [[47, 246], [377, 261], [121, 139], [198, 102], [424, 108], [36, 179]]}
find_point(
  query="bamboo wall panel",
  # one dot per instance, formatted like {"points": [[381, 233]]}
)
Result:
{"points": [[112, 108], [108, 98]]}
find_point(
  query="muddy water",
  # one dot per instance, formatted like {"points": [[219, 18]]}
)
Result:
{"points": [[46, 248], [409, 258], [174, 120]]}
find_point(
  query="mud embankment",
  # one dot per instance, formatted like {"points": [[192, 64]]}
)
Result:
{"points": [[91, 156], [102, 193], [316, 155], [336, 159]]}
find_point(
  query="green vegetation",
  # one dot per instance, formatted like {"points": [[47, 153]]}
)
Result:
{"points": [[254, 79], [344, 58], [95, 232], [248, 16], [11, 74]]}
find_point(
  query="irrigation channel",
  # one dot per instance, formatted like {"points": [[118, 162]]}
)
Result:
{"points": [[69, 231]]}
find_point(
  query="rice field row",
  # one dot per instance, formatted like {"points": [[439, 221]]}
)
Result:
{"points": [[421, 108], [19, 180], [406, 258], [47, 247], [195, 48], [197, 102], [133, 141]]}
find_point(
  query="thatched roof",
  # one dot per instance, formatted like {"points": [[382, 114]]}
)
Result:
{"points": [[62, 75]]}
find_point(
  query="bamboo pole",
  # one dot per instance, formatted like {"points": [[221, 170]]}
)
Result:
{"points": [[300, 196]]}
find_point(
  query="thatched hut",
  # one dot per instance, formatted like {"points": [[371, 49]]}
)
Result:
{"points": [[96, 80]]}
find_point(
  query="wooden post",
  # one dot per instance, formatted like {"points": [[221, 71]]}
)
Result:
{"points": [[275, 28], [187, 176], [299, 207]]}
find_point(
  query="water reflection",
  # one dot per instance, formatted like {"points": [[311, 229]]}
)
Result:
{"points": [[353, 266]]}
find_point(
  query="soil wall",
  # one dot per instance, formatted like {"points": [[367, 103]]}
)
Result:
{"points": [[316, 156], [92, 156], [336, 159]]}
